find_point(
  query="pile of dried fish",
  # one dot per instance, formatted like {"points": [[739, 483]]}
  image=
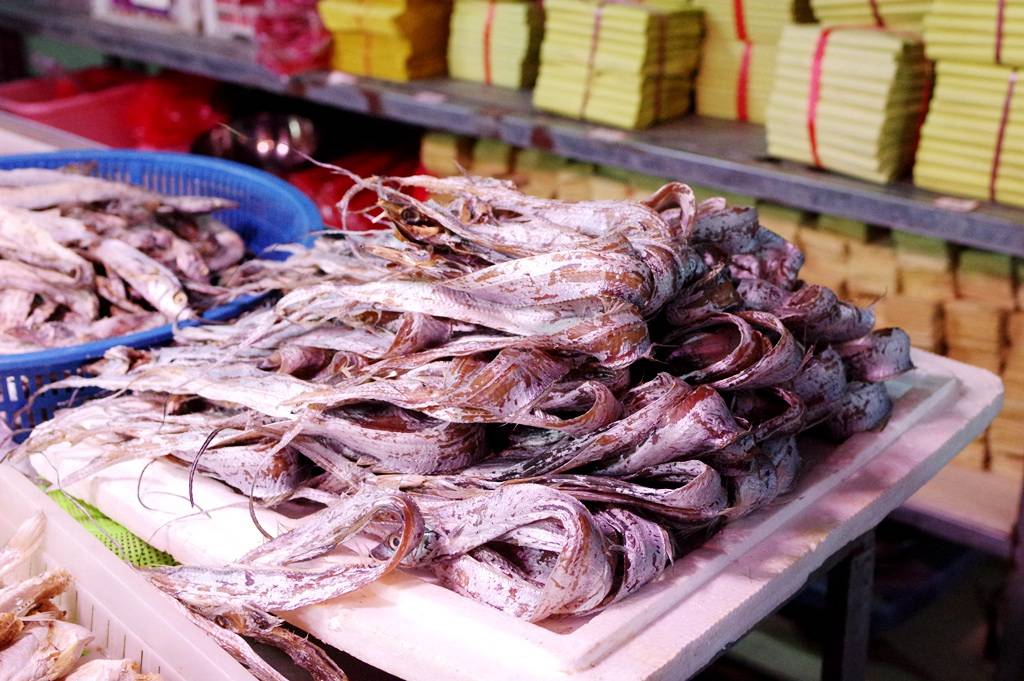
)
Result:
{"points": [[541, 403], [83, 259], [36, 641]]}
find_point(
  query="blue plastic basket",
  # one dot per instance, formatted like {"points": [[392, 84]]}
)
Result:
{"points": [[270, 211]]}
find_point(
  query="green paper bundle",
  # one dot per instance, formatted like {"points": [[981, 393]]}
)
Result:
{"points": [[970, 31], [871, 100], [624, 64], [397, 40], [975, 112], [495, 41], [902, 15]]}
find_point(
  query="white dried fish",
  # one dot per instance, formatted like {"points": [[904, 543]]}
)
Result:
{"points": [[22, 545], [45, 651], [153, 281]]}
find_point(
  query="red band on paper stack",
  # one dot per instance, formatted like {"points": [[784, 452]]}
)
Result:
{"points": [[743, 84], [740, 16], [926, 98], [814, 94], [993, 179], [488, 29], [877, 14], [1000, 29], [595, 36]]}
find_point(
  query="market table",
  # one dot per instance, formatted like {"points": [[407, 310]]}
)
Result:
{"points": [[672, 628]]}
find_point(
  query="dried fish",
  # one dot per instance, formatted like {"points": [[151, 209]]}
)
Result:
{"points": [[45, 651], [110, 670], [533, 400], [21, 546]]}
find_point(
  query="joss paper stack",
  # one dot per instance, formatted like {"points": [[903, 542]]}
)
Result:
{"points": [[628, 65], [1006, 436], [738, 62], [495, 41], [444, 154], [826, 254], [975, 333], [972, 143], [905, 15], [926, 267], [390, 39], [849, 100], [975, 31]]}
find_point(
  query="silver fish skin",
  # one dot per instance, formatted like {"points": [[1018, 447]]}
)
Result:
{"points": [[23, 238], [25, 541], [45, 651], [153, 281]]}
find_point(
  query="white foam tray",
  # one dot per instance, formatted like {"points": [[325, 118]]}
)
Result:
{"points": [[129, 617], [401, 623]]}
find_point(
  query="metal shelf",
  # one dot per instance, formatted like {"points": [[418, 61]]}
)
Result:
{"points": [[721, 154]]}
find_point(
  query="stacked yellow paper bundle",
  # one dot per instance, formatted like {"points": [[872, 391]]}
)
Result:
{"points": [[784, 221], [987, 278], [976, 31], [574, 181], [850, 100], [444, 154], [975, 333], [925, 265], [610, 183], [390, 39], [628, 65], [492, 158], [972, 143], [826, 254], [735, 79], [536, 172], [757, 21], [1007, 431], [906, 15], [495, 41], [738, 63], [920, 318]]}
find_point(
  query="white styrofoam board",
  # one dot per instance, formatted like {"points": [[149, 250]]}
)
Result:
{"points": [[129, 618], [394, 624]]}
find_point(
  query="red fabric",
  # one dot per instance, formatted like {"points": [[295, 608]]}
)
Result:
{"points": [[488, 30], [814, 95], [743, 84], [740, 16], [879, 21], [1000, 29], [1003, 122]]}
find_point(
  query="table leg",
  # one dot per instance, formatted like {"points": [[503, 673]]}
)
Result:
{"points": [[848, 613], [1010, 666]]}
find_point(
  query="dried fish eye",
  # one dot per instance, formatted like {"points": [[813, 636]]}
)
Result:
{"points": [[394, 542]]}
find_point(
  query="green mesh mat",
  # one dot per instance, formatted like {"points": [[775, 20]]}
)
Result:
{"points": [[115, 537]]}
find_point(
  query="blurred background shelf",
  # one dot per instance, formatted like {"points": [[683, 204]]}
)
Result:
{"points": [[975, 508], [725, 155]]}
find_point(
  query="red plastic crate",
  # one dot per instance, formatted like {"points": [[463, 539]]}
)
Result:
{"points": [[94, 103]]}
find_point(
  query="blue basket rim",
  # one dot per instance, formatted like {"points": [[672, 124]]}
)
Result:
{"points": [[38, 359]]}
